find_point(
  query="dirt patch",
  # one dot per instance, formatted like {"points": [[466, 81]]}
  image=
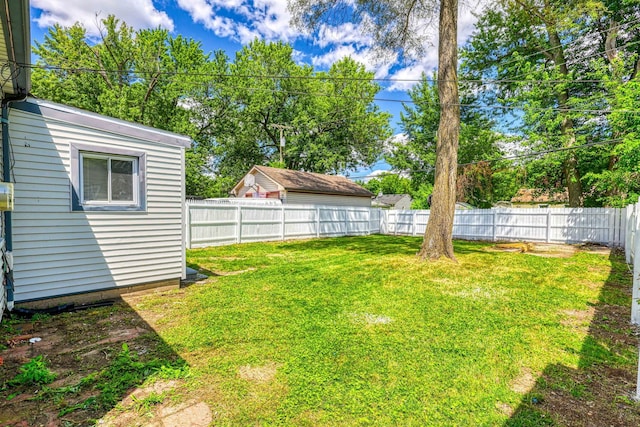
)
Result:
{"points": [[524, 382], [505, 409], [577, 319], [593, 248], [547, 250], [258, 374], [77, 347]]}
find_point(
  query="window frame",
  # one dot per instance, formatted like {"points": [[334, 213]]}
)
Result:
{"points": [[80, 151]]}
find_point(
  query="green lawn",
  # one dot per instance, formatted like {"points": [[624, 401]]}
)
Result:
{"points": [[356, 331]]}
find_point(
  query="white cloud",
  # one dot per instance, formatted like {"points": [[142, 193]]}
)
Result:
{"points": [[264, 19], [138, 14], [344, 34], [364, 56]]}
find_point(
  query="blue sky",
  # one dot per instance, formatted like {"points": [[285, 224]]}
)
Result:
{"points": [[228, 24]]}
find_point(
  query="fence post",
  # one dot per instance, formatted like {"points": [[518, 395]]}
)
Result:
{"points": [[187, 227], [610, 238], [635, 296], [548, 225], [413, 223], [317, 221], [346, 221], [368, 221], [283, 222], [239, 224], [627, 233], [494, 236]]}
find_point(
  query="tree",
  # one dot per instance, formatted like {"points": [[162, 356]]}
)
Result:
{"points": [[559, 63], [327, 119], [145, 76], [389, 183], [478, 142], [234, 111], [398, 26]]}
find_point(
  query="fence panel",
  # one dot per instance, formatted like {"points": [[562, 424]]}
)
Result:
{"points": [[301, 223], [260, 223], [220, 224], [212, 225], [595, 225], [474, 224]]}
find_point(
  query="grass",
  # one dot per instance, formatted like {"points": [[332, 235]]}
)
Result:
{"points": [[355, 331]]}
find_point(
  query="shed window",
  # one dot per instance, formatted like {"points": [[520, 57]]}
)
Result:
{"points": [[111, 180], [106, 179]]}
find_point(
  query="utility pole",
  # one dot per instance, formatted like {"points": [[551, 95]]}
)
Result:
{"points": [[282, 140]]}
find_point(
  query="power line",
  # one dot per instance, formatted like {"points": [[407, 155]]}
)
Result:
{"points": [[293, 77], [437, 105], [514, 157], [537, 53]]}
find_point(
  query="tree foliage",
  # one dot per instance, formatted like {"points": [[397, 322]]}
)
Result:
{"points": [[565, 67], [328, 119], [233, 110], [478, 142]]}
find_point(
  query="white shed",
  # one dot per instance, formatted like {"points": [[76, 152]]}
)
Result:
{"points": [[301, 188], [98, 203]]}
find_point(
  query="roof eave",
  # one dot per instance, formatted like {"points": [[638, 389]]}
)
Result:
{"points": [[17, 35], [80, 117]]}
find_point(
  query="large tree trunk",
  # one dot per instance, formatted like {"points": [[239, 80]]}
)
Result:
{"points": [[438, 235], [571, 173]]}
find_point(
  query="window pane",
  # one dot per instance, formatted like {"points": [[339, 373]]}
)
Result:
{"points": [[95, 179], [122, 180]]}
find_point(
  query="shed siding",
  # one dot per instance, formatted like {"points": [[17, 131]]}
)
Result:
{"points": [[325, 199], [265, 183], [59, 252]]}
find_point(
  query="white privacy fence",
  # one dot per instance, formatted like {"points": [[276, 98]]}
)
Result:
{"points": [[214, 225], [632, 237], [571, 225], [632, 253]]}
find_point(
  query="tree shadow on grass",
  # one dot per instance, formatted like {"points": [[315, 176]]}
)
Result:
{"points": [[100, 357], [598, 392]]}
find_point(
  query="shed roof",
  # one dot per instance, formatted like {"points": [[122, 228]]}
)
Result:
{"points": [[533, 195], [80, 117], [309, 182]]}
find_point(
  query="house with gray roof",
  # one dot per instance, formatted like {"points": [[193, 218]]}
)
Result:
{"points": [[301, 188]]}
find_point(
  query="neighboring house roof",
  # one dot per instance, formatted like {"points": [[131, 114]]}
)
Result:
{"points": [[388, 199], [77, 116], [309, 182], [15, 47], [533, 195]]}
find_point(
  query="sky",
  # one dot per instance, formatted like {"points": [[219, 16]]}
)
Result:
{"points": [[228, 24]]}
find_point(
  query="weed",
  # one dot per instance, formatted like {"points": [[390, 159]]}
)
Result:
{"points": [[145, 404], [35, 371], [125, 372]]}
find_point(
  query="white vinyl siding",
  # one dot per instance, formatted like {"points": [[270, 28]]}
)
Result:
{"points": [[265, 183], [325, 199], [58, 251]]}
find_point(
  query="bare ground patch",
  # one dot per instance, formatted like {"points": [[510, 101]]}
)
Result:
{"points": [[259, 374], [76, 347]]}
